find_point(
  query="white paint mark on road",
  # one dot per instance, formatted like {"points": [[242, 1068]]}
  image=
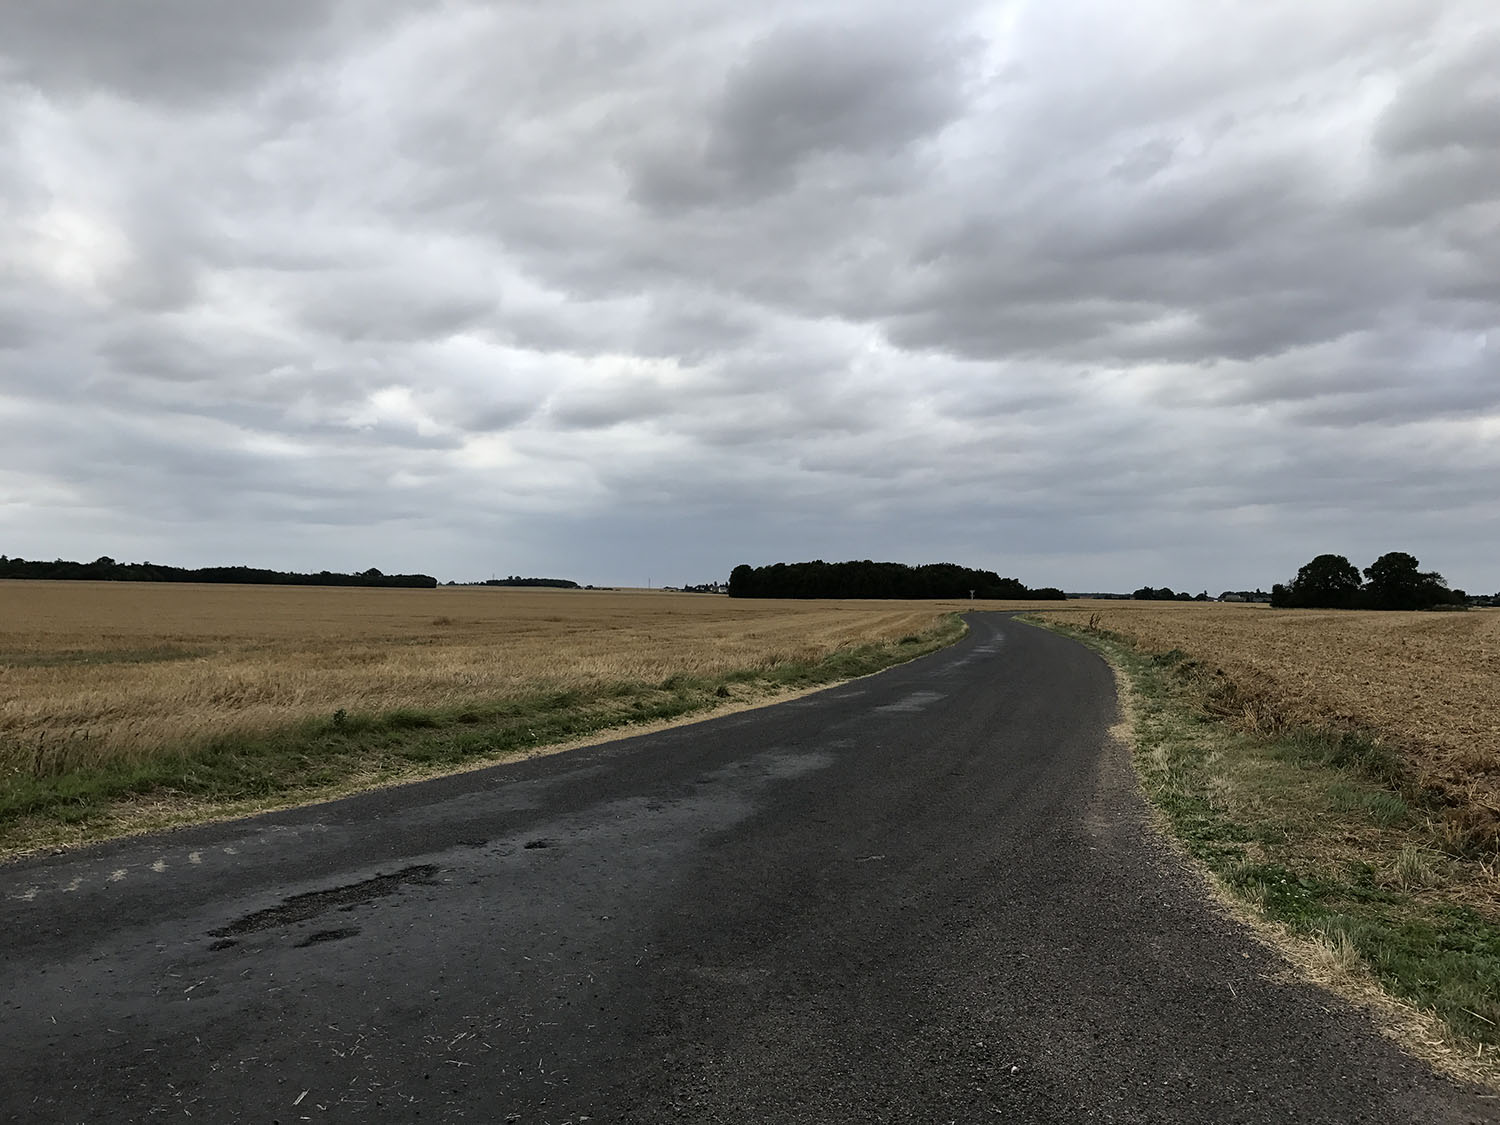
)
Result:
{"points": [[76, 883], [231, 850], [916, 701]]}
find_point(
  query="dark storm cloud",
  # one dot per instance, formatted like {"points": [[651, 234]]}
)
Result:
{"points": [[1122, 295]]}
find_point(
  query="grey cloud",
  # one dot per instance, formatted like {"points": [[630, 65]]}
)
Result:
{"points": [[1440, 137], [367, 306], [808, 91], [494, 417], [1145, 160], [694, 326], [1439, 395], [1415, 189], [167, 49], [1123, 300], [19, 325], [805, 94], [1366, 378], [1454, 103], [151, 352], [618, 402]]}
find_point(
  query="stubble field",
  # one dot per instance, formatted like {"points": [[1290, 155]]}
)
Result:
{"points": [[93, 672], [1428, 683]]}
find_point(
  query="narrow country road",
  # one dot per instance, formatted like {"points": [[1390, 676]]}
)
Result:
{"points": [[930, 895]]}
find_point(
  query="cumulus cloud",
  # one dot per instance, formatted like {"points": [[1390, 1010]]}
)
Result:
{"points": [[1174, 293]]}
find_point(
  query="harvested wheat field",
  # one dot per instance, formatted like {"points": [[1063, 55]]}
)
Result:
{"points": [[1429, 683], [92, 671]]}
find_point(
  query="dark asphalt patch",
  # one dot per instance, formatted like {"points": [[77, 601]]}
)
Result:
{"points": [[328, 935], [300, 908]]}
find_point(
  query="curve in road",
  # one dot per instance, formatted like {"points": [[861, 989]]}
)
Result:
{"points": [[928, 895]]}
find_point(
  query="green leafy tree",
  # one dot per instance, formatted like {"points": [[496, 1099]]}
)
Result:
{"points": [[742, 581], [1395, 581], [868, 579], [1328, 582]]}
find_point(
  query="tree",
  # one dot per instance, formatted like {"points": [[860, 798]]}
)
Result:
{"points": [[868, 579], [742, 581], [1328, 582], [1395, 581]]}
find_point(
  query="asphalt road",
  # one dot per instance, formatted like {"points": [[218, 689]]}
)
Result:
{"points": [[925, 896]]}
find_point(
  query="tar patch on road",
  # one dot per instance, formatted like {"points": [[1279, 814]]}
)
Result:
{"points": [[299, 908], [328, 935]]}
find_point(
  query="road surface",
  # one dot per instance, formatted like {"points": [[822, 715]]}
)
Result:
{"points": [[930, 895]]}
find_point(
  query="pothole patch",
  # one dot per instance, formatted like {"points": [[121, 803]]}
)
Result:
{"points": [[300, 908], [328, 935]]}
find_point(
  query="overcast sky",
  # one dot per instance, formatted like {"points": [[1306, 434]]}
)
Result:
{"points": [[1097, 295]]}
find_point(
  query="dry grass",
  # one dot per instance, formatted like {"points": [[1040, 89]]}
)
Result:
{"points": [[1424, 682], [91, 672], [1347, 879]]}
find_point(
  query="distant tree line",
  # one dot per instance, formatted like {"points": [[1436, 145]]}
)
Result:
{"points": [[819, 579], [517, 580], [1166, 594], [1393, 581], [105, 569]]}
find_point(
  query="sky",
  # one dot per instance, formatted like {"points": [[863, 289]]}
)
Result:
{"points": [[1094, 295]]}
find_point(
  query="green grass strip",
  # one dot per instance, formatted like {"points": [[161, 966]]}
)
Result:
{"points": [[314, 758], [1316, 829]]}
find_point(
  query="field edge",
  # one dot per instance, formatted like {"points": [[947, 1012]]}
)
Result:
{"points": [[1166, 733], [316, 761]]}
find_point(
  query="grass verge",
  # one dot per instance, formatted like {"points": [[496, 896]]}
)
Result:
{"points": [[1319, 830], [330, 756]]}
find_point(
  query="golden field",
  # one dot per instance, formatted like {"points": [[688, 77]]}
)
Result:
{"points": [[94, 670], [1429, 683], [90, 671]]}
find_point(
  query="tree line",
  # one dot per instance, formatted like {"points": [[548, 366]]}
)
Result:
{"points": [[517, 580], [1167, 594], [105, 569], [866, 579], [1393, 581]]}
